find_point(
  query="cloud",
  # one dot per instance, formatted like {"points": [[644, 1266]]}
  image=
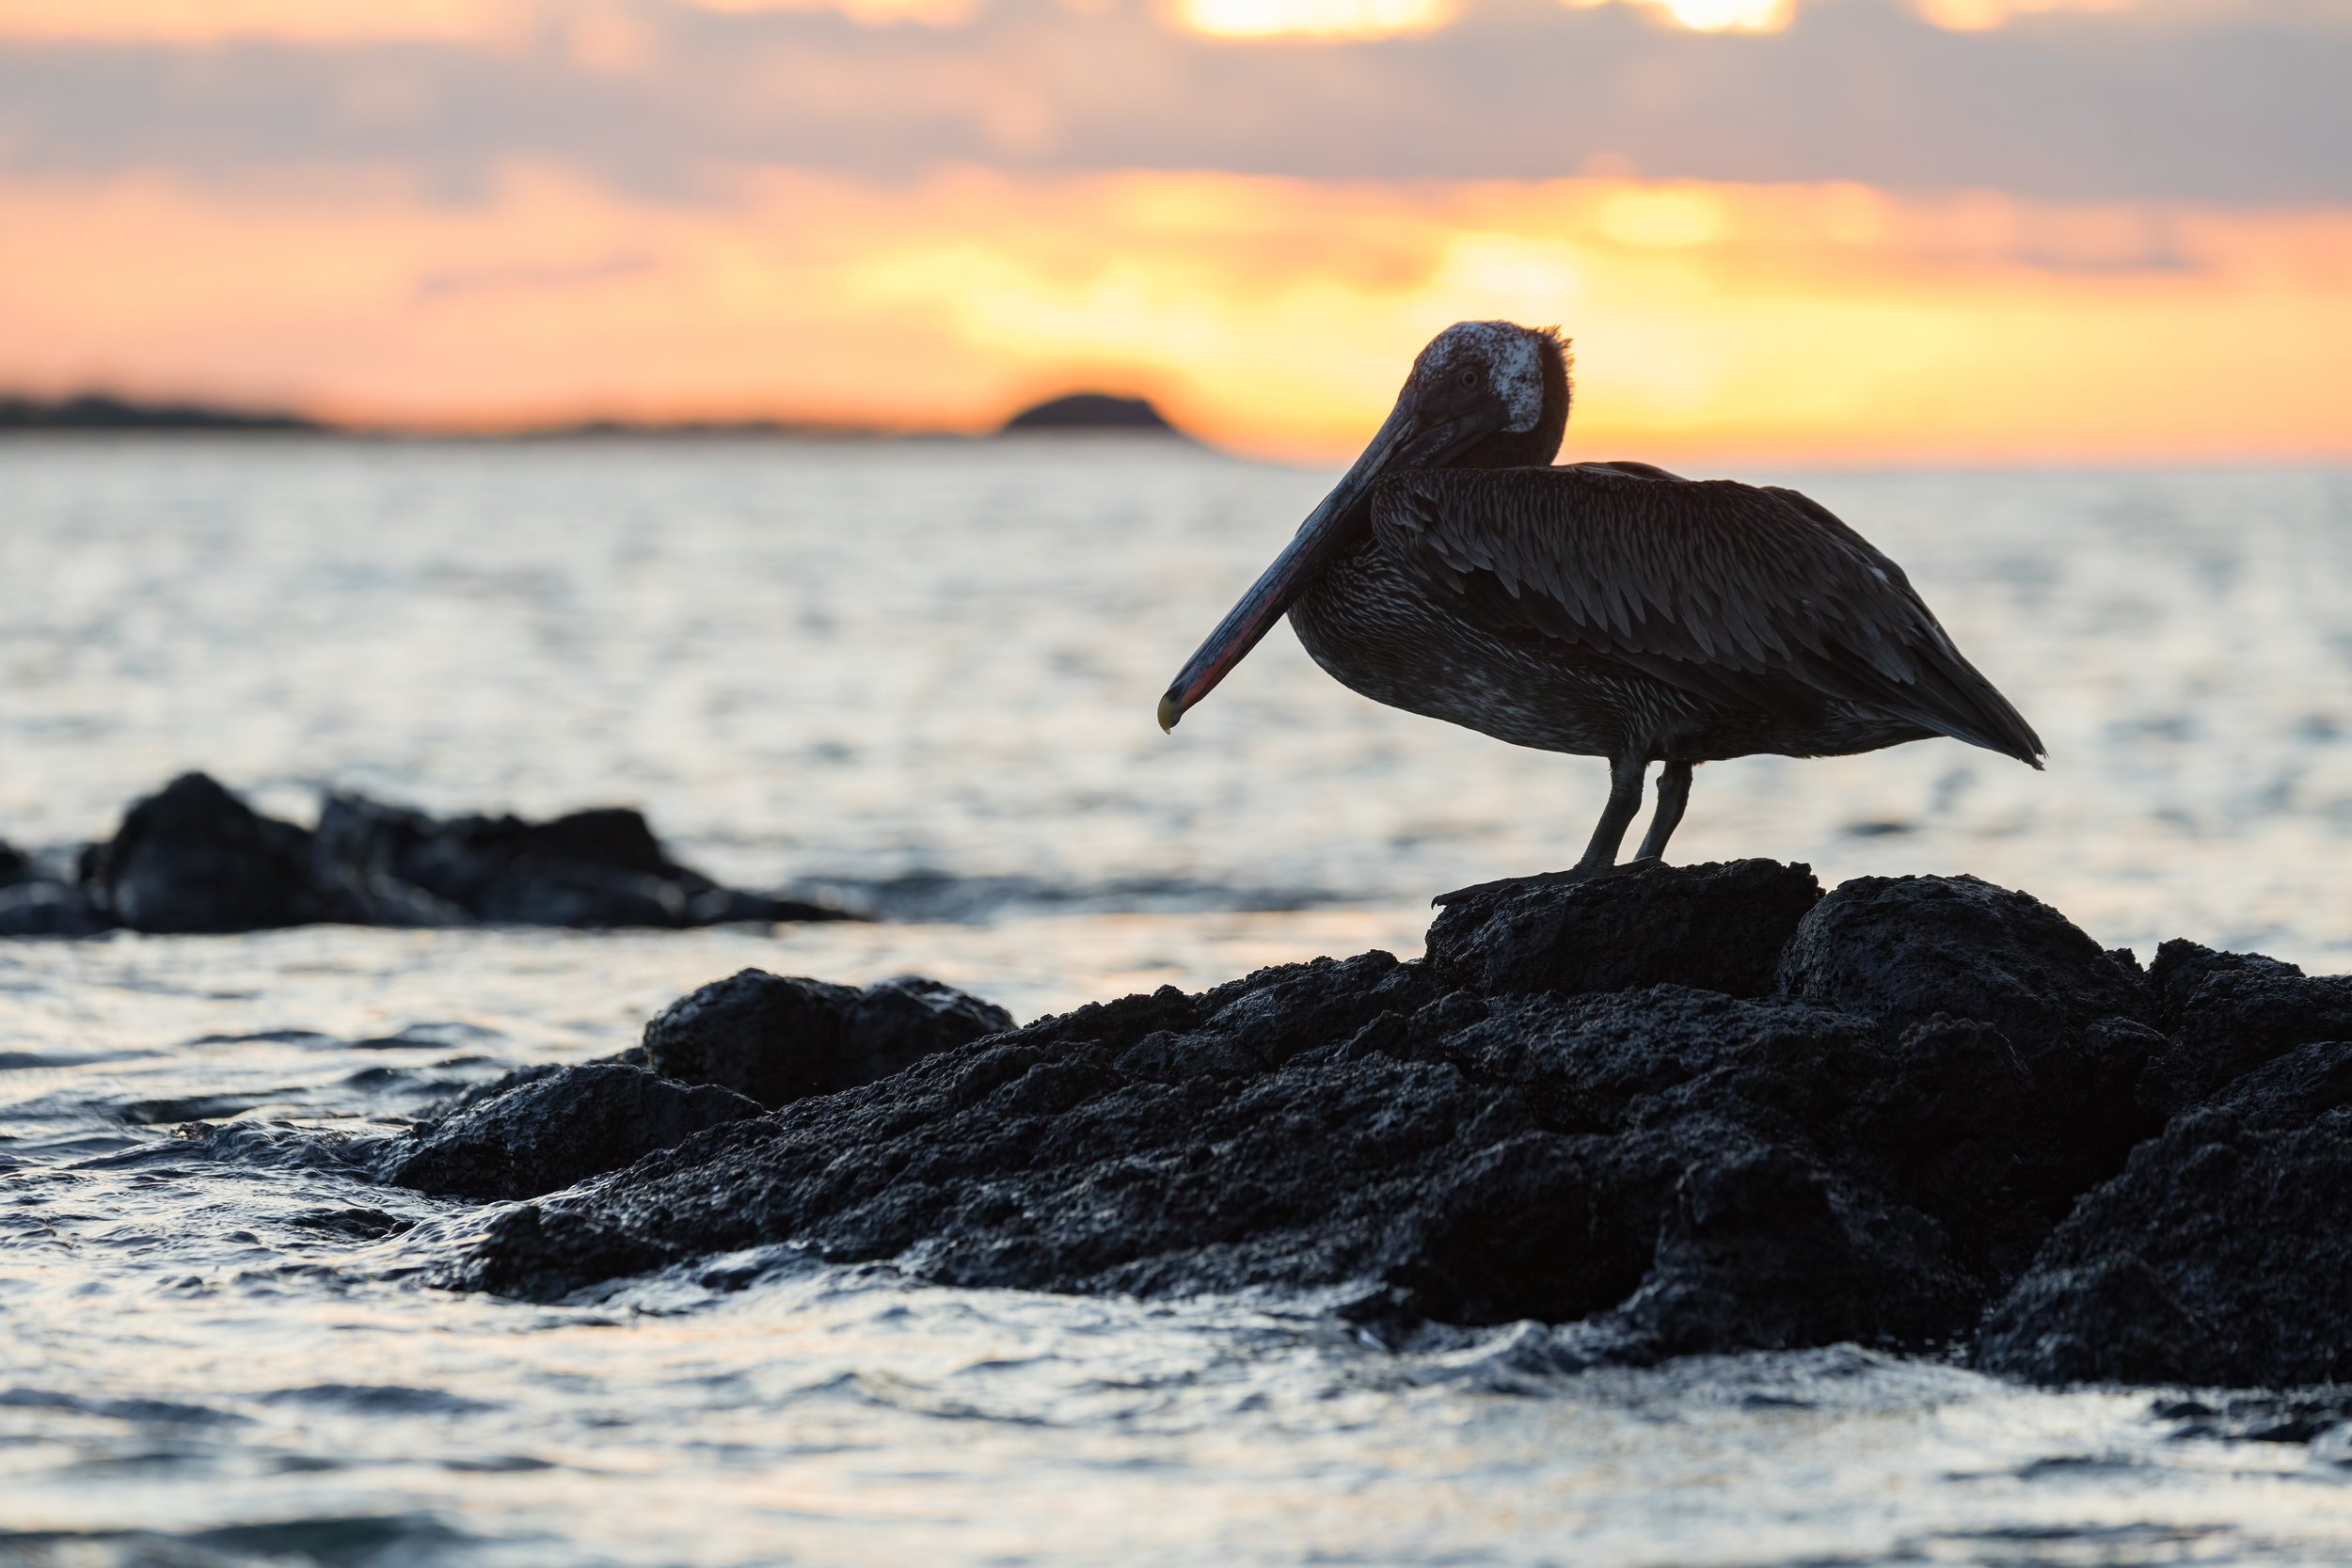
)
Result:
{"points": [[2156, 105]]}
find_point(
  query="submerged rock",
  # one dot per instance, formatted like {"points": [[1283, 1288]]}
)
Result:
{"points": [[778, 1039], [195, 858], [33, 903], [47, 908]]}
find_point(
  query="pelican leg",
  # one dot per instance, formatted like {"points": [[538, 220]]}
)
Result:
{"points": [[1600, 855], [1624, 804], [1674, 794]]}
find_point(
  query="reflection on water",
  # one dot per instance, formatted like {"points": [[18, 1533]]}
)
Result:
{"points": [[927, 672], [857, 662]]}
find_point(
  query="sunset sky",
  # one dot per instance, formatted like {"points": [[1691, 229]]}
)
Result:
{"points": [[1815, 229]]}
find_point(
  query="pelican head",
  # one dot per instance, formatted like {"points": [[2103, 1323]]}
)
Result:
{"points": [[1482, 395]]}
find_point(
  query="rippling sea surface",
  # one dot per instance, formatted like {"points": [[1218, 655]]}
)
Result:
{"points": [[922, 677]]}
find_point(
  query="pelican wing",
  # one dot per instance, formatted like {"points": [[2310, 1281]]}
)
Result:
{"points": [[1731, 592]]}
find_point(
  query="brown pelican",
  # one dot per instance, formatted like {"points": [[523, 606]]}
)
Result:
{"points": [[1608, 610]]}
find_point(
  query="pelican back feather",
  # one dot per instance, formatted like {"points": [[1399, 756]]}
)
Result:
{"points": [[1737, 593]]}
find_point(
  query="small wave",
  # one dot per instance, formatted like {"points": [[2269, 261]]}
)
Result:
{"points": [[327, 1541], [377, 1399], [930, 896], [139, 1412]]}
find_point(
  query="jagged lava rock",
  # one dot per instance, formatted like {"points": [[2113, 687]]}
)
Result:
{"points": [[32, 905], [1160, 1146], [543, 1129], [2221, 1256], [46, 909], [778, 1039], [600, 867], [1717, 926], [1680, 1169], [1904, 948], [193, 857], [1900, 1139], [2228, 1013], [1909, 949]]}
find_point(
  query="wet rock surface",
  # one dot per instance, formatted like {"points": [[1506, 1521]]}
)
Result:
{"points": [[195, 858], [1718, 927], [2221, 1254], [592, 868], [723, 1053], [778, 1039], [539, 1129], [1697, 1109], [2228, 1013]]}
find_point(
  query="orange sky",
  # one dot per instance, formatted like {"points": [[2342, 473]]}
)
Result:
{"points": [[1275, 315], [1804, 319]]}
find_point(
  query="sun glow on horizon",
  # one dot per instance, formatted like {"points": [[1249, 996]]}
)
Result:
{"points": [[1276, 316]]}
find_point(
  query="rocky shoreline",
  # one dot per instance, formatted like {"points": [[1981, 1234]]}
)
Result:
{"points": [[195, 858], [1679, 1111]]}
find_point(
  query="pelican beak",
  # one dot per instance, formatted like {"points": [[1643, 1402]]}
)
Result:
{"points": [[1330, 530]]}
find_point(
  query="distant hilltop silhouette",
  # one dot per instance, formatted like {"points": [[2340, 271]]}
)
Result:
{"points": [[1091, 411], [103, 411], [1103, 412]]}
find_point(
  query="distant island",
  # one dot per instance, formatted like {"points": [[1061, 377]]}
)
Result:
{"points": [[1091, 411], [1075, 412], [103, 411]]}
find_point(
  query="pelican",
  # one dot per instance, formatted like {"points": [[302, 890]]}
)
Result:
{"points": [[1608, 609]]}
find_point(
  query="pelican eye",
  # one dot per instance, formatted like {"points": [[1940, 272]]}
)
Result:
{"points": [[1468, 376]]}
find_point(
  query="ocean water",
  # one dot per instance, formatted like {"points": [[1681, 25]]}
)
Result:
{"points": [[922, 677]]}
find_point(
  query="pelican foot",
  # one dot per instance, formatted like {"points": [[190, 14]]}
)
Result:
{"points": [[1549, 878]]}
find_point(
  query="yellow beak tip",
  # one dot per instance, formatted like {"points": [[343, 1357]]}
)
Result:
{"points": [[1169, 712]]}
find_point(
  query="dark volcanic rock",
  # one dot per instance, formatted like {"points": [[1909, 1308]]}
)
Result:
{"points": [[1717, 926], [44, 908], [2220, 1255], [1904, 948], [195, 858], [592, 868], [779, 1039], [15, 866], [541, 1129], [1530, 1125], [1417, 1148], [2230, 1013], [1685, 1170]]}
